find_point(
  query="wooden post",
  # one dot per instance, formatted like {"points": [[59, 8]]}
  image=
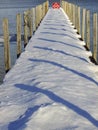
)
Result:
{"points": [[46, 7], [62, 4], [38, 16], [34, 19], [18, 17], [30, 23], [88, 29], [79, 21], [43, 9], [39, 12], [75, 13], [72, 13], [25, 29], [95, 37], [6, 45], [83, 24], [66, 7], [74, 18]]}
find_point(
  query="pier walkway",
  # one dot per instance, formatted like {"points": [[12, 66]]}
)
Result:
{"points": [[53, 85]]}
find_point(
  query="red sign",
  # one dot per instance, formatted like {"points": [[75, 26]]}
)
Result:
{"points": [[56, 5]]}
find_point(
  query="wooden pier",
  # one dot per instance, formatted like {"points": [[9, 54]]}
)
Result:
{"points": [[53, 84]]}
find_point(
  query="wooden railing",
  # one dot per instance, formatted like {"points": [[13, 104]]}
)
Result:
{"points": [[32, 18], [81, 19]]}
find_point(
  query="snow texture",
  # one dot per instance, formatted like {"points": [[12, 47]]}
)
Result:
{"points": [[53, 85]]}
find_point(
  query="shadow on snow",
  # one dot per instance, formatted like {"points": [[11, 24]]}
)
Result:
{"points": [[60, 34], [66, 68], [54, 41], [16, 124], [61, 52]]}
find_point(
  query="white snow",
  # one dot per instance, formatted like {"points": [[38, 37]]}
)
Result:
{"points": [[53, 85]]}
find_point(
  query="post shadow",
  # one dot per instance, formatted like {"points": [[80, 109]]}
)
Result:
{"points": [[15, 125], [58, 99], [90, 79], [61, 52], [60, 34], [60, 42]]}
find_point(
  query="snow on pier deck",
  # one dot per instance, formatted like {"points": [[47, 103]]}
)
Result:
{"points": [[53, 85]]}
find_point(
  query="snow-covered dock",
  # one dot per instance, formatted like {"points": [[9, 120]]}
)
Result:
{"points": [[53, 85]]}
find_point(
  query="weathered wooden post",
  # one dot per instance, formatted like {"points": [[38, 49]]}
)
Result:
{"points": [[66, 7], [46, 6], [88, 29], [79, 20], [95, 37], [18, 17], [34, 19], [62, 4], [72, 13], [38, 16], [43, 8], [39, 12], [30, 23], [25, 29], [83, 23], [6, 45], [74, 16]]}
